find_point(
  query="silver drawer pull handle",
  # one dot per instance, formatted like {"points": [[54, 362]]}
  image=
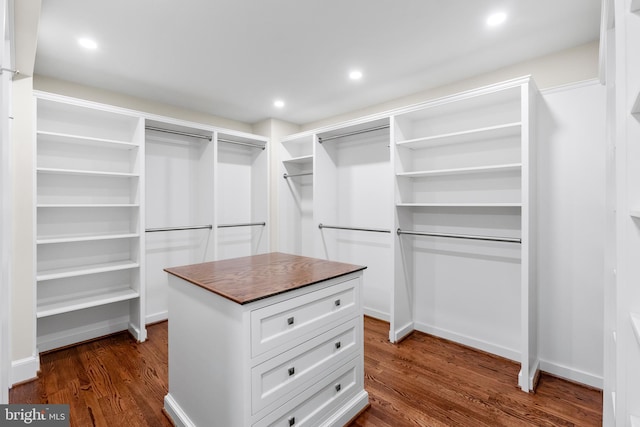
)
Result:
{"points": [[338, 387], [338, 345], [290, 321], [292, 370], [337, 303], [292, 421]]}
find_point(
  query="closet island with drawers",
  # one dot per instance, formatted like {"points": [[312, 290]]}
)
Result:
{"points": [[266, 340]]}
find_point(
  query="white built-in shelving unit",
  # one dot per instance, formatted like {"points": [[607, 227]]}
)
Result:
{"points": [[465, 218], [397, 192], [121, 195], [242, 196], [621, 33], [353, 199], [89, 229], [335, 202], [179, 177], [608, 76], [295, 193]]}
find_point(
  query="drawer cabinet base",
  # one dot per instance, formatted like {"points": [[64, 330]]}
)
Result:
{"points": [[247, 365]]}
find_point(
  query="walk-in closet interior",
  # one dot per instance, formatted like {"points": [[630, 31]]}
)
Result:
{"points": [[471, 181]]}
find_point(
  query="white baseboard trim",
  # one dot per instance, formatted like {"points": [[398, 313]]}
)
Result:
{"points": [[24, 369], [528, 383], [572, 374], [157, 317], [137, 333], [80, 334], [175, 412], [377, 314], [349, 411], [398, 334], [469, 341]]}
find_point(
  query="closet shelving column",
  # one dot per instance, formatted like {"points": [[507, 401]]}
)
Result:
{"points": [[296, 228], [607, 76], [627, 82], [241, 195], [89, 275], [465, 215], [179, 197], [353, 210]]}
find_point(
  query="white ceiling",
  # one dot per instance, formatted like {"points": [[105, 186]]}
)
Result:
{"points": [[232, 58]]}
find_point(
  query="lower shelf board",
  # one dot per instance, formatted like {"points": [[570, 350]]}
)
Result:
{"points": [[85, 270], [80, 302]]}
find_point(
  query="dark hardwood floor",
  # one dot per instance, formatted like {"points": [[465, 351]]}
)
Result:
{"points": [[424, 381]]}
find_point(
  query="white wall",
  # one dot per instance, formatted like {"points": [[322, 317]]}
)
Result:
{"points": [[275, 129], [571, 196], [564, 67], [48, 84], [25, 363]]}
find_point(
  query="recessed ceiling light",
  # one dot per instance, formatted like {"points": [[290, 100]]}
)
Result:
{"points": [[87, 43], [278, 103], [496, 19], [355, 75]]}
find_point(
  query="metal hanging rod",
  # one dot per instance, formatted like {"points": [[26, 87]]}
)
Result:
{"points": [[9, 70], [357, 132], [462, 236], [177, 132], [291, 175], [246, 144], [247, 224], [188, 227], [337, 227]]}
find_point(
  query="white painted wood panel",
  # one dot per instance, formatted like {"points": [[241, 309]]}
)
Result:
{"points": [[571, 232], [179, 192]]}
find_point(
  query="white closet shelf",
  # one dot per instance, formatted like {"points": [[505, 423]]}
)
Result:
{"points": [[635, 323], [56, 171], [635, 6], [461, 171], [88, 205], [302, 160], [67, 138], [460, 205], [499, 131], [635, 213], [69, 303], [85, 270], [84, 238]]}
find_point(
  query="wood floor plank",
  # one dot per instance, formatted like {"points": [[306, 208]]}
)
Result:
{"points": [[422, 381]]}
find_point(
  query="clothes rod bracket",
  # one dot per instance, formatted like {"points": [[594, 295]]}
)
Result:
{"points": [[177, 132], [357, 132], [9, 70], [461, 236], [337, 227], [247, 224], [188, 227]]}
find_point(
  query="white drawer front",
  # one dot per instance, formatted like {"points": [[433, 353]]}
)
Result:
{"points": [[289, 321], [310, 407], [281, 375]]}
